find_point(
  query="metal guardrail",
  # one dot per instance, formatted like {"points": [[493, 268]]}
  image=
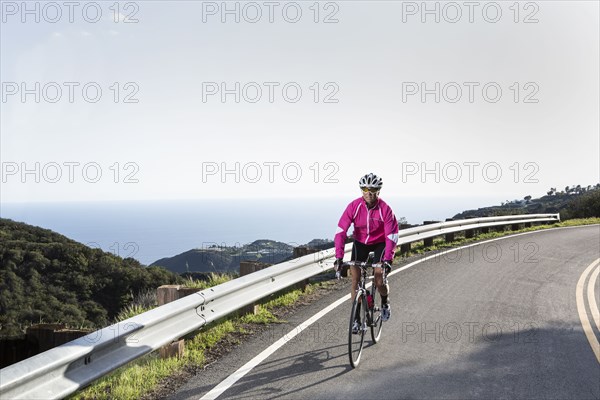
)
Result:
{"points": [[60, 371], [440, 228]]}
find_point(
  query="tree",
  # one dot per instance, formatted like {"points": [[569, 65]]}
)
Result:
{"points": [[46, 276], [527, 199], [584, 206]]}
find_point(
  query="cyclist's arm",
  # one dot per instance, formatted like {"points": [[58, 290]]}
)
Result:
{"points": [[342, 229], [391, 235]]}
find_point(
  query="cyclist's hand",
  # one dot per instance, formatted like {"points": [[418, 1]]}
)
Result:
{"points": [[387, 265], [338, 264]]}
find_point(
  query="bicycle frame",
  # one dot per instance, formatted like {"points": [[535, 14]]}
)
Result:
{"points": [[371, 314]]}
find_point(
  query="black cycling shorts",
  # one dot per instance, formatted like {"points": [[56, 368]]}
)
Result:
{"points": [[360, 251]]}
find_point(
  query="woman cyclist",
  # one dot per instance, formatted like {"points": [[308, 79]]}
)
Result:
{"points": [[376, 230]]}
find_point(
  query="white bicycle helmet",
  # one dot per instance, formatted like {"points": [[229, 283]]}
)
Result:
{"points": [[370, 181]]}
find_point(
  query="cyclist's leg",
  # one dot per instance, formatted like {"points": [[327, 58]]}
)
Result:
{"points": [[379, 249], [382, 287], [360, 252]]}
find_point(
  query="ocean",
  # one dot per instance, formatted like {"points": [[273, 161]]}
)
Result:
{"points": [[151, 230]]}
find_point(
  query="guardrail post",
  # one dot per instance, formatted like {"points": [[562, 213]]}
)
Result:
{"points": [[405, 247], [16, 349], [174, 349], [38, 338], [428, 242], [449, 237], [43, 335], [166, 294], [514, 227], [528, 224], [485, 229], [48, 336], [248, 267], [469, 233]]}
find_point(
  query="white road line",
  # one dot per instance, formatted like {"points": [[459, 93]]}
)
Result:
{"points": [[592, 298], [585, 322], [241, 372], [237, 375]]}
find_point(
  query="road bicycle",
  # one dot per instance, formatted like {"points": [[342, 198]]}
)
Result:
{"points": [[370, 316]]}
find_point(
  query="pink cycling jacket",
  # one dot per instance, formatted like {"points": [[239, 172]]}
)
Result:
{"points": [[375, 225]]}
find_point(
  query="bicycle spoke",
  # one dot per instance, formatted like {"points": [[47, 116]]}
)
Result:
{"points": [[377, 325]]}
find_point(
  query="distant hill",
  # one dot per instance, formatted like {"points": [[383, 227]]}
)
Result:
{"points": [[320, 244], [225, 259], [572, 203], [45, 276]]}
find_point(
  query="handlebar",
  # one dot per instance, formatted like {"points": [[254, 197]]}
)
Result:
{"points": [[360, 264], [363, 264]]}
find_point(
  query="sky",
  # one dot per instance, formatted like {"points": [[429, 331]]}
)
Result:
{"points": [[152, 100]]}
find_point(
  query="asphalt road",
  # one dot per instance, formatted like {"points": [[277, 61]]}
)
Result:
{"points": [[496, 320]]}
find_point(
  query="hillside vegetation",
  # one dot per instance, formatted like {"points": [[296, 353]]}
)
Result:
{"points": [[573, 202], [46, 277]]}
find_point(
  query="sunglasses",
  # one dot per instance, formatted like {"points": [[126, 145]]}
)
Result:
{"points": [[366, 189]]}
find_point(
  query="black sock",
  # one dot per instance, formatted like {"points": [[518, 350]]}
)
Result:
{"points": [[384, 299], [357, 314]]}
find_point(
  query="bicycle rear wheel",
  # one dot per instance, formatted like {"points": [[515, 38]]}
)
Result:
{"points": [[356, 340], [376, 324]]}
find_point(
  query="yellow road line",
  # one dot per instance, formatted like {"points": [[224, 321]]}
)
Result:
{"points": [[585, 322], [592, 298]]}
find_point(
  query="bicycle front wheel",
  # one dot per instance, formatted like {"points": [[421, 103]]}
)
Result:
{"points": [[356, 339], [376, 324]]}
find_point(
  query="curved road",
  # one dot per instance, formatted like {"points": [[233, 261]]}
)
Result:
{"points": [[498, 319]]}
